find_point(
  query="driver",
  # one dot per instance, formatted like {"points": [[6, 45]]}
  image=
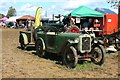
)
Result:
{"points": [[71, 20]]}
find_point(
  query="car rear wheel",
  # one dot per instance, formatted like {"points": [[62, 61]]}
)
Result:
{"points": [[70, 57], [39, 48], [98, 54]]}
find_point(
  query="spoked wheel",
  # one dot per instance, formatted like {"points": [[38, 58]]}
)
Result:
{"points": [[39, 48], [22, 45], [70, 57], [98, 54], [74, 30]]}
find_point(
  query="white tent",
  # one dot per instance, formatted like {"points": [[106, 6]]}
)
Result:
{"points": [[13, 19]]}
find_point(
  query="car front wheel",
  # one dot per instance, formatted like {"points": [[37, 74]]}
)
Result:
{"points": [[70, 57], [98, 54]]}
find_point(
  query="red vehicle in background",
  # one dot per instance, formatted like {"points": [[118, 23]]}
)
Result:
{"points": [[110, 24], [111, 32]]}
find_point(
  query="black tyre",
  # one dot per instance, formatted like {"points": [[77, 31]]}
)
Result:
{"points": [[22, 45], [70, 57], [98, 54], [117, 43], [39, 48]]}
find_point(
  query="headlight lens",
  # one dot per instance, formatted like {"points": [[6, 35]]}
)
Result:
{"points": [[76, 40], [95, 40]]}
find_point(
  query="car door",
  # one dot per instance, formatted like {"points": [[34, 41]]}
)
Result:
{"points": [[50, 41]]}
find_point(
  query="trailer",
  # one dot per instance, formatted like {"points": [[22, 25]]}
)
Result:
{"points": [[29, 36], [110, 33], [112, 39]]}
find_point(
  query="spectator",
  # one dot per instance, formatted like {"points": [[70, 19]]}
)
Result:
{"points": [[64, 21], [4, 25], [72, 21], [23, 25], [85, 24], [68, 19], [14, 24], [90, 26]]}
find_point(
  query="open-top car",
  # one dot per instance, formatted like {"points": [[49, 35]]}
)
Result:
{"points": [[71, 46], [69, 42]]}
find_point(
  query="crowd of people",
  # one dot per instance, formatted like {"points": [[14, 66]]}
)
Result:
{"points": [[8, 24], [24, 24], [85, 23]]}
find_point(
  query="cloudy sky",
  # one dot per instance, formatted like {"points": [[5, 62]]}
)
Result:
{"points": [[50, 7]]}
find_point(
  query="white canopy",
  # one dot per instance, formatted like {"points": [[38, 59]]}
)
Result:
{"points": [[13, 19]]}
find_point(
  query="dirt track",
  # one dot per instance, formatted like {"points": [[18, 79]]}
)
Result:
{"points": [[17, 63]]}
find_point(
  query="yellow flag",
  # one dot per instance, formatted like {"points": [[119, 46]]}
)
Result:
{"points": [[37, 17]]}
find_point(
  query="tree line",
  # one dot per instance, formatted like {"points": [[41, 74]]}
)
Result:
{"points": [[116, 4], [11, 12]]}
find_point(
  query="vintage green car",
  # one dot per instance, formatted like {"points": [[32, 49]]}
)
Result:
{"points": [[71, 46]]}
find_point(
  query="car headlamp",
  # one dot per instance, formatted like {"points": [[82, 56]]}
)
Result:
{"points": [[76, 40], [95, 40]]}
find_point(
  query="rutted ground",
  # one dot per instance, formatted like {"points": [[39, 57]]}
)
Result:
{"points": [[17, 63]]}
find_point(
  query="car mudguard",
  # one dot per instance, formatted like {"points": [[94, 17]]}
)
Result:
{"points": [[72, 41], [67, 43], [42, 42], [101, 42], [25, 38]]}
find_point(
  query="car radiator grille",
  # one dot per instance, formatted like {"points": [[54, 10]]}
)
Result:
{"points": [[86, 44]]}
